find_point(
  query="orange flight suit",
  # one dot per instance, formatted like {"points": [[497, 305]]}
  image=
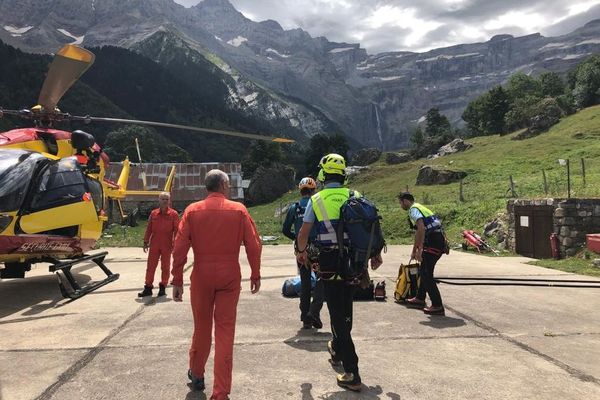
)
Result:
{"points": [[160, 233], [215, 228]]}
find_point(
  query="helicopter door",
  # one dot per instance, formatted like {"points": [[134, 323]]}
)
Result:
{"points": [[59, 202]]}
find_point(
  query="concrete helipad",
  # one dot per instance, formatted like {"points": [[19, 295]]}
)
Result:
{"points": [[494, 343]]}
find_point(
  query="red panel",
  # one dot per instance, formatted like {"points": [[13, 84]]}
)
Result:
{"points": [[29, 134], [593, 242]]}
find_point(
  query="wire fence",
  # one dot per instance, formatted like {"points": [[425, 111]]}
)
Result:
{"points": [[568, 178]]}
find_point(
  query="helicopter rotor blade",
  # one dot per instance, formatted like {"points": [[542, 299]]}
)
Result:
{"points": [[68, 65], [186, 127], [143, 173]]}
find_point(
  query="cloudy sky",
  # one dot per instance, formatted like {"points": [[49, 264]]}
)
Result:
{"points": [[420, 25]]}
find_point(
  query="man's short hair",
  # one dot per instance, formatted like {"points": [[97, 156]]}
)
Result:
{"points": [[334, 178], [214, 178], [406, 196], [164, 194], [306, 191]]}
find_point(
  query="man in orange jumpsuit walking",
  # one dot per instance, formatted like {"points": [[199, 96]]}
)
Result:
{"points": [[215, 229], [160, 232]]}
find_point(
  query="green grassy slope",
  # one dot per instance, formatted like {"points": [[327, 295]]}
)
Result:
{"points": [[488, 164]]}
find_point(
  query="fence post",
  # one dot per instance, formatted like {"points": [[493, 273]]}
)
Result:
{"points": [[583, 170], [512, 187], [545, 182], [568, 180]]}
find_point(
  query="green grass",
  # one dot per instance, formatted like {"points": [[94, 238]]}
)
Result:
{"points": [[576, 265], [488, 164], [269, 222], [123, 236]]}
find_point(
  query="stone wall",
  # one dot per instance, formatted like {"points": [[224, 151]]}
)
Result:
{"points": [[572, 220]]}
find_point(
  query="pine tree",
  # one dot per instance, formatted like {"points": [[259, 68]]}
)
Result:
{"points": [[495, 108], [437, 124], [417, 138]]}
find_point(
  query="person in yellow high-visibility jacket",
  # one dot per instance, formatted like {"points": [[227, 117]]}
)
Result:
{"points": [[429, 245], [324, 211]]}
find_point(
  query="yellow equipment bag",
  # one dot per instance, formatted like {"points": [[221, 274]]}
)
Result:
{"points": [[408, 281]]}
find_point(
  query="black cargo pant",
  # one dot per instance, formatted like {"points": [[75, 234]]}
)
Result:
{"points": [[339, 296], [307, 307], [428, 286]]}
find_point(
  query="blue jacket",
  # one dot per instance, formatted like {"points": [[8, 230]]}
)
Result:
{"points": [[294, 218]]}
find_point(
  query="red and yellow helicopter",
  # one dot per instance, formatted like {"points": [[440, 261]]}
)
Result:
{"points": [[53, 190]]}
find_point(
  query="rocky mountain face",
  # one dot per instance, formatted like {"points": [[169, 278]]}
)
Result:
{"points": [[163, 31], [294, 117], [404, 85], [287, 75]]}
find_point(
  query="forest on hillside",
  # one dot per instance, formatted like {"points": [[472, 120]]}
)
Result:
{"points": [[124, 84]]}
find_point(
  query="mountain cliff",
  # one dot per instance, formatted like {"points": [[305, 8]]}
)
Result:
{"points": [[287, 75]]}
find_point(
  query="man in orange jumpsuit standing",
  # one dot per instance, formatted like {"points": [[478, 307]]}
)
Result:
{"points": [[215, 229], [160, 232]]}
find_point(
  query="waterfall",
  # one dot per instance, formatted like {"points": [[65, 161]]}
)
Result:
{"points": [[379, 133]]}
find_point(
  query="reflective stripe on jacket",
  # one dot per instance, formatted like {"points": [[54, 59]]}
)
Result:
{"points": [[430, 220], [326, 205]]}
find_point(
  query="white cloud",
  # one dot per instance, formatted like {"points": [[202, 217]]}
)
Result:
{"points": [[387, 16], [470, 33], [581, 7], [418, 25], [251, 16], [512, 18]]}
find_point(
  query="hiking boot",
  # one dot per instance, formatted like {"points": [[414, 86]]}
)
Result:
{"points": [[197, 383], [334, 361], [434, 310], [162, 290], [146, 292], [306, 325], [316, 322], [350, 381], [413, 302]]}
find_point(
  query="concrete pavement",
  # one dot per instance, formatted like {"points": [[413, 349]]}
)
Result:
{"points": [[494, 343]]}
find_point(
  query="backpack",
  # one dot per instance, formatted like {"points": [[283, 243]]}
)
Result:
{"points": [[407, 283], [292, 286], [289, 287], [380, 291], [299, 210], [360, 220]]}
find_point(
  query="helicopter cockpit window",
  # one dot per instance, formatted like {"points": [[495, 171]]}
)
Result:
{"points": [[16, 171], [96, 191], [60, 183]]}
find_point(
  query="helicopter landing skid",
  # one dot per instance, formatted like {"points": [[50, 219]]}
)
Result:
{"points": [[69, 287]]}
